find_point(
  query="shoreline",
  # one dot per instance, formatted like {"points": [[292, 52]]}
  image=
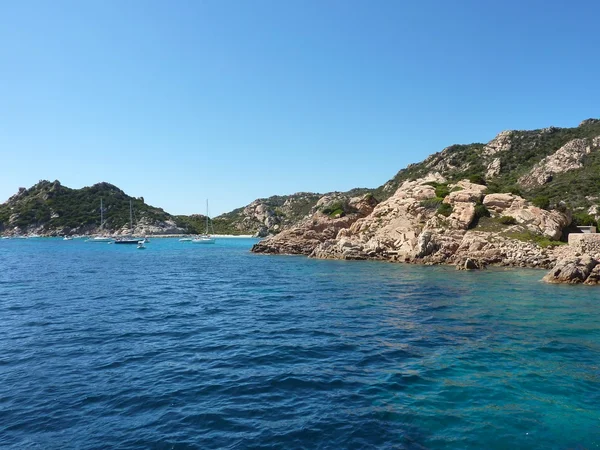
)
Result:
{"points": [[159, 236]]}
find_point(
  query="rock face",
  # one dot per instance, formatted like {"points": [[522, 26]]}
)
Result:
{"points": [[410, 227], [403, 228], [332, 213], [575, 271], [270, 215], [501, 143], [536, 220], [569, 157], [494, 168]]}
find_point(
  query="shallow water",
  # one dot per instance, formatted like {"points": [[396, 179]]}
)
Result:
{"points": [[188, 346]]}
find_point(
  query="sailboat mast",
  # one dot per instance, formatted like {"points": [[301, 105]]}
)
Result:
{"points": [[131, 216], [206, 217], [101, 215]]}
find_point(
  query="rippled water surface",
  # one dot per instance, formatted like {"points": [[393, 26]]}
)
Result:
{"points": [[191, 346]]}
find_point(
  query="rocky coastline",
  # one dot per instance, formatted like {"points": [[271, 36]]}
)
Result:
{"points": [[467, 228]]}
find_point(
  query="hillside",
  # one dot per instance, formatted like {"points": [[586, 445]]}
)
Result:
{"points": [[53, 209], [511, 202], [551, 166], [554, 168]]}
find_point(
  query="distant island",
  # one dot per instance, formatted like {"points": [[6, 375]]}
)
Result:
{"points": [[513, 201]]}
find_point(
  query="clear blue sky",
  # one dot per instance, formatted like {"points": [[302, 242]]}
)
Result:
{"points": [[179, 101]]}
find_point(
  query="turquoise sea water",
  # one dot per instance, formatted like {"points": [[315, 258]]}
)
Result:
{"points": [[191, 346]]}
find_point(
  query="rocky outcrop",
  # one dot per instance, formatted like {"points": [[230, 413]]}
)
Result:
{"points": [[593, 279], [332, 213], [574, 271], [500, 144], [536, 220], [409, 227], [569, 157], [493, 168], [270, 215]]}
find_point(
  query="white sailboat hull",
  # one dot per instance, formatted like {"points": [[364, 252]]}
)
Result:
{"points": [[203, 240], [100, 239]]}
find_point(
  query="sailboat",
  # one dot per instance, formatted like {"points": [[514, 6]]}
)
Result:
{"points": [[101, 238], [129, 240], [204, 238]]}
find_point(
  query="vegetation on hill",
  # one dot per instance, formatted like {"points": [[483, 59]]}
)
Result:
{"points": [[51, 206], [513, 154], [574, 189]]}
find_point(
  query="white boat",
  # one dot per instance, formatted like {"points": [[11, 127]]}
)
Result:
{"points": [[141, 245], [204, 238], [130, 239], [186, 239], [5, 237], [101, 238], [67, 238]]}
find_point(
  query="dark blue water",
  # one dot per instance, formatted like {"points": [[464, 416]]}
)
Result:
{"points": [[187, 346]]}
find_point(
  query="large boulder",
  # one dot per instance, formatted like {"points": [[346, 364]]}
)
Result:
{"points": [[593, 278], [572, 271], [499, 202]]}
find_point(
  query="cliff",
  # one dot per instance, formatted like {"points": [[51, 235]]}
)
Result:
{"points": [[507, 202]]}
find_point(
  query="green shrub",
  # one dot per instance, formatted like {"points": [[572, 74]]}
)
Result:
{"points": [[445, 209], [584, 219], [481, 211], [432, 203], [442, 191], [337, 208], [477, 179], [507, 220], [541, 240], [541, 201]]}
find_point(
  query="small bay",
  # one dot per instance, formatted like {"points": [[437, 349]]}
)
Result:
{"points": [[187, 346]]}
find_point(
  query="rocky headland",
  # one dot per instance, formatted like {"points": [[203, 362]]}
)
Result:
{"points": [[466, 228], [510, 202]]}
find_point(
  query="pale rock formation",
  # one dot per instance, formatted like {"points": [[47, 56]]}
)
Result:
{"points": [[145, 226], [500, 144], [537, 220], [401, 228], [318, 227], [405, 228], [573, 271], [493, 169], [499, 202], [569, 157]]}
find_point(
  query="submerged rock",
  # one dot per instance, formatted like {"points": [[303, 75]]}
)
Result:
{"points": [[470, 264]]}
